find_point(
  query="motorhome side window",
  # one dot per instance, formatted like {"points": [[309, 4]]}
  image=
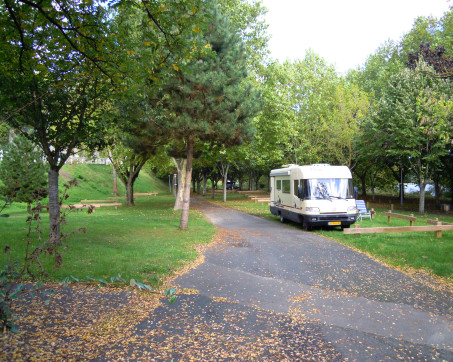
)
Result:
{"points": [[302, 190], [286, 186], [296, 188], [279, 184], [305, 189]]}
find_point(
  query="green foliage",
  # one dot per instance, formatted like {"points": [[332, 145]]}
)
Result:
{"points": [[424, 30], [54, 79], [309, 115], [412, 122], [247, 17], [210, 99], [4, 134], [57, 98], [22, 172]]}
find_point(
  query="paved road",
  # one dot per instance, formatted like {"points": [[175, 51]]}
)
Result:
{"points": [[274, 292], [360, 307], [267, 291]]}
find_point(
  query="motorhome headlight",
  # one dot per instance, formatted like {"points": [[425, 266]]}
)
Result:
{"points": [[352, 209], [312, 209]]}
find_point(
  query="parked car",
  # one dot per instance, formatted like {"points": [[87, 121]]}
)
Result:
{"points": [[231, 185]]}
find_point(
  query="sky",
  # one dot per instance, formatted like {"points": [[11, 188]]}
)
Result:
{"points": [[343, 32]]}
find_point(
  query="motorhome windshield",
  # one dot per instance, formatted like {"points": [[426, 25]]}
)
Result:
{"points": [[328, 188]]}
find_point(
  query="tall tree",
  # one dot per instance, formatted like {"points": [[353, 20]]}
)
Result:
{"points": [[247, 18], [209, 99], [412, 122], [132, 139], [52, 82]]}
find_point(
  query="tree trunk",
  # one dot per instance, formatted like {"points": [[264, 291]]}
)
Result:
{"points": [[175, 184], [214, 185], [205, 179], [54, 207], [225, 179], [181, 165], [421, 206], [437, 191], [363, 181], [186, 198], [115, 183], [10, 135], [128, 176], [451, 188], [224, 171], [130, 192]]}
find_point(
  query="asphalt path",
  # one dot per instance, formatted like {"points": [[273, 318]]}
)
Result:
{"points": [[264, 291], [361, 308], [270, 291]]}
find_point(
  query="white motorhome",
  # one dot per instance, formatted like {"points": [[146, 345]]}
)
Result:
{"points": [[313, 195]]}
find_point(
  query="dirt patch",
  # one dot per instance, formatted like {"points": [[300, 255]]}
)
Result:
{"points": [[65, 175]]}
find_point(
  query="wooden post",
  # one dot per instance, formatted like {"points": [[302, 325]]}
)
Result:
{"points": [[391, 207], [372, 212], [439, 233], [389, 218], [411, 221]]}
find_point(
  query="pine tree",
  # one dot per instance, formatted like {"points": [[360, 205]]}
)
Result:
{"points": [[23, 173], [209, 99]]}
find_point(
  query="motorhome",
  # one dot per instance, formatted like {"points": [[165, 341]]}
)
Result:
{"points": [[313, 195]]}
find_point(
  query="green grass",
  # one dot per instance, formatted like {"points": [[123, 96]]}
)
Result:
{"points": [[418, 250], [96, 182], [141, 242]]}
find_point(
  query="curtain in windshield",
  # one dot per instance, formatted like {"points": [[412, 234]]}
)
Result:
{"points": [[328, 188]]}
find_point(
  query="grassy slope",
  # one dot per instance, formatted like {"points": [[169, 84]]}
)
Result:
{"points": [[141, 242], [96, 182]]}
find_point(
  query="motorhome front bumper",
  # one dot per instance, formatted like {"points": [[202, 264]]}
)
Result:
{"points": [[315, 219], [330, 220]]}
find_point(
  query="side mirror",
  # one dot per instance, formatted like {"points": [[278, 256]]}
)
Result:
{"points": [[356, 192]]}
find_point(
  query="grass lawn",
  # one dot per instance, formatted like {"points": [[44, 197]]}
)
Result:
{"points": [[419, 250], [96, 182], [143, 242]]}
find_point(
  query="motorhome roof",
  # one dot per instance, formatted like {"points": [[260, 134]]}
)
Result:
{"points": [[313, 171]]}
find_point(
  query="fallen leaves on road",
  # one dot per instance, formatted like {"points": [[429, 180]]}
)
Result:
{"points": [[82, 323]]}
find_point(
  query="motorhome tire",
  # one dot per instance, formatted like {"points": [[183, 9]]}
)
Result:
{"points": [[306, 227], [282, 219]]}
